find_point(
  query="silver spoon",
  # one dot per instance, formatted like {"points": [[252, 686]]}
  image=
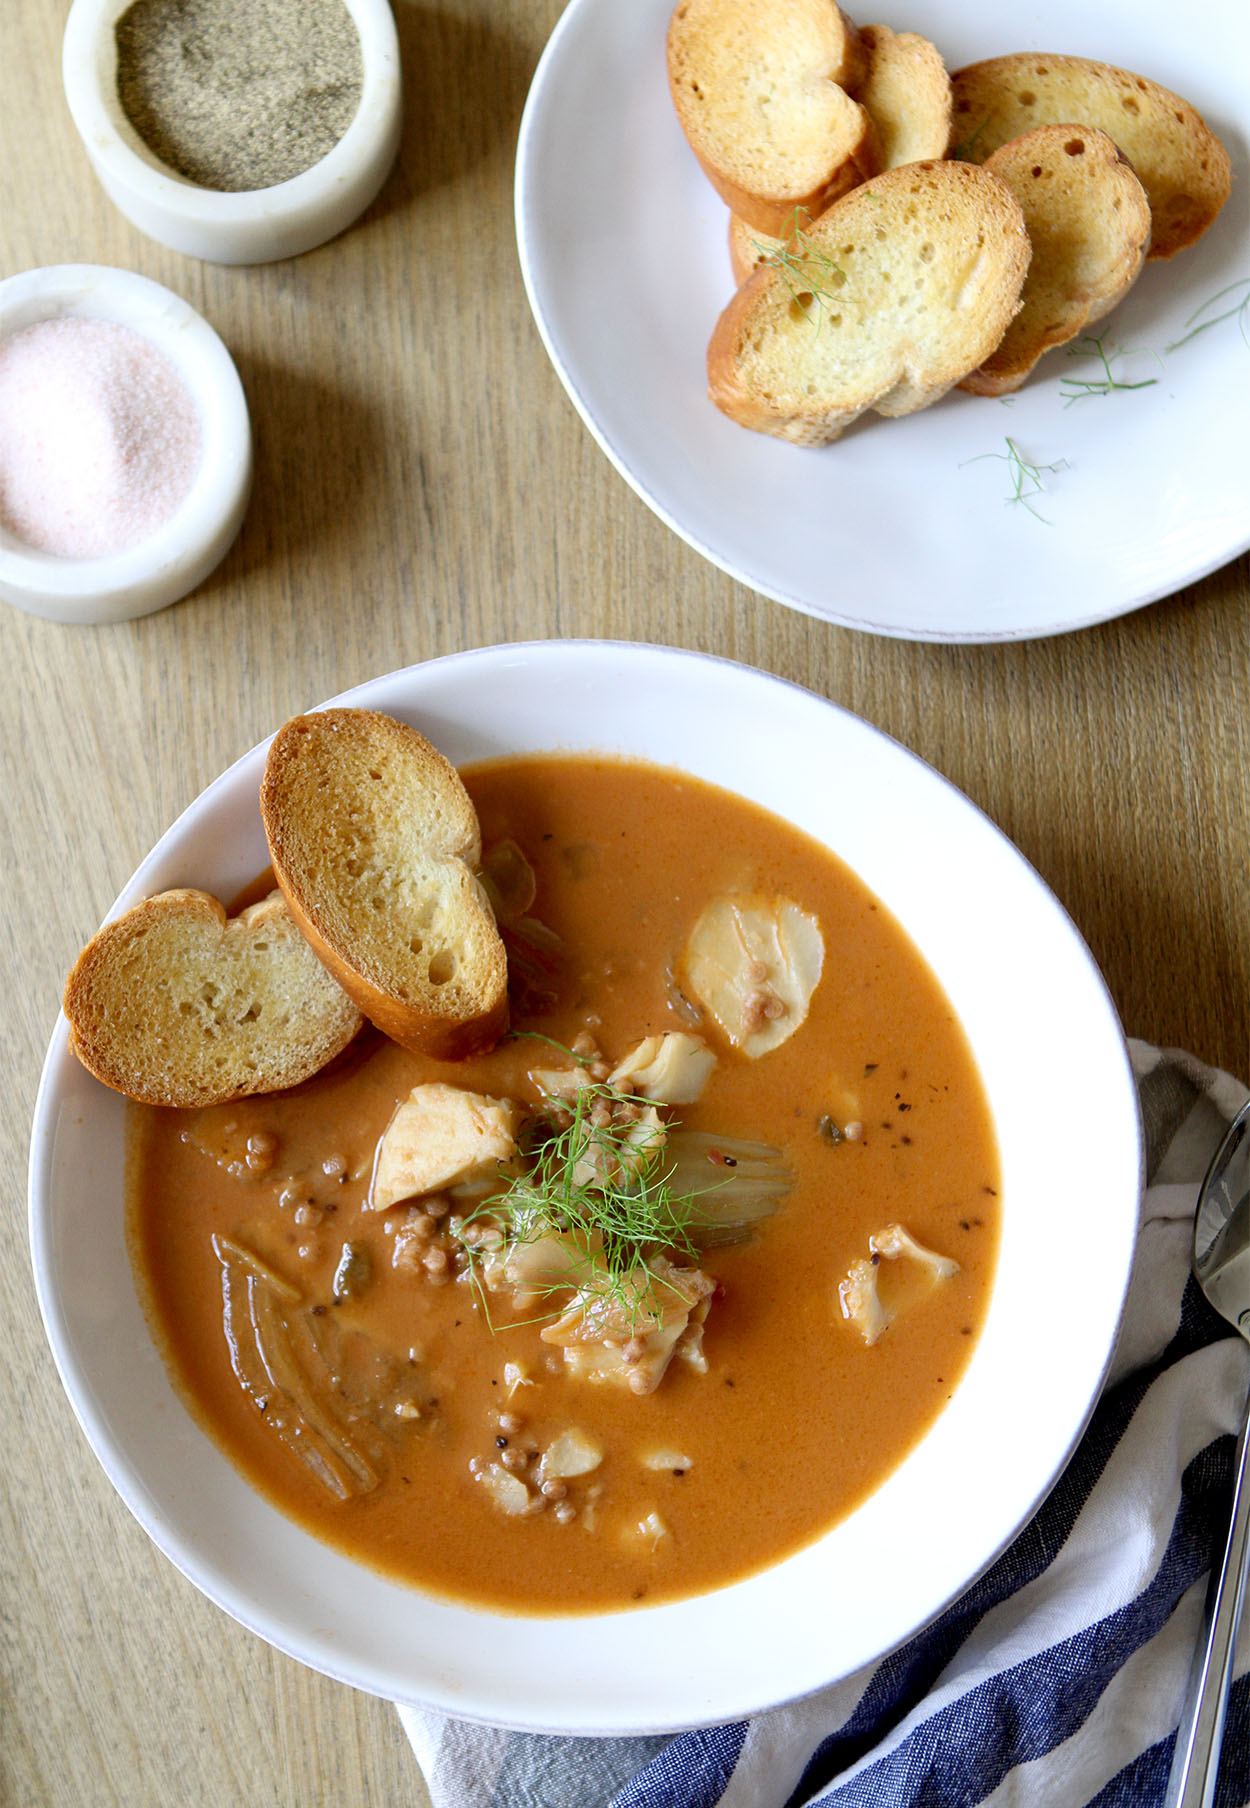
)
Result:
{"points": [[1222, 1266]]}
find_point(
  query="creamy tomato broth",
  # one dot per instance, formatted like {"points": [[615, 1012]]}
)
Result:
{"points": [[416, 1387]]}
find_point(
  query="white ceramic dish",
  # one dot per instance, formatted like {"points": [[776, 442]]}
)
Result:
{"points": [[196, 537], [253, 227], [1059, 1084], [902, 527]]}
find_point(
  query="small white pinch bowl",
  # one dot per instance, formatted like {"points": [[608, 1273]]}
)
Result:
{"points": [[255, 226], [1057, 1076], [193, 540]]}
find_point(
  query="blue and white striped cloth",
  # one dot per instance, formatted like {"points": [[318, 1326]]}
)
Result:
{"points": [[1056, 1681]]}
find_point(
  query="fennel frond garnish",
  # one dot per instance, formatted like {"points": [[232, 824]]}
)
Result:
{"points": [[1026, 477], [810, 275], [1074, 389], [606, 1187], [1239, 310]]}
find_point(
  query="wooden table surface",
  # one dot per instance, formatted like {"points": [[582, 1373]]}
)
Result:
{"points": [[424, 485]]}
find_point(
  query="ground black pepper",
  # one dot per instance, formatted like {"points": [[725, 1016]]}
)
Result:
{"points": [[238, 94]]}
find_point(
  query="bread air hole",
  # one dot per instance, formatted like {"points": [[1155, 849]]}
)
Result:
{"points": [[1130, 105], [1027, 98], [442, 967]]}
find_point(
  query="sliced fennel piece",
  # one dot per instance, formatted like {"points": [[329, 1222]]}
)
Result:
{"points": [[735, 1182]]}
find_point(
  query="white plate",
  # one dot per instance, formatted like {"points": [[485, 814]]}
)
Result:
{"points": [[895, 528], [1058, 1081]]}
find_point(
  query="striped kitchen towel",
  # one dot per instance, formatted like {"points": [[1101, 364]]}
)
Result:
{"points": [[1056, 1681]]}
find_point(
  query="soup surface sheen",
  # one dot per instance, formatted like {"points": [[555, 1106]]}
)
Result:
{"points": [[713, 1475]]}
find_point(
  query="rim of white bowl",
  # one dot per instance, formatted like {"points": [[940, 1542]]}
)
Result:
{"points": [[235, 226], [196, 536], [1028, 1458]]}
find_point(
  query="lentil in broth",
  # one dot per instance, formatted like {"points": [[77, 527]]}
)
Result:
{"points": [[713, 1475]]}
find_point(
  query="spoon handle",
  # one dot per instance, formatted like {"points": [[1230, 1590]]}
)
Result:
{"points": [[1196, 1758]]}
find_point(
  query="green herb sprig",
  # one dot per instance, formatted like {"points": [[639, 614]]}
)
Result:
{"points": [[609, 1224], [810, 275], [1074, 389], [1026, 477], [1239, 310]]}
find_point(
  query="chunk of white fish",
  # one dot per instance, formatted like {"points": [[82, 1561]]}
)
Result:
{"points": [[638, 1364], [561, 1082], [570, 1453], [655, 1294], [672, 1068], [689, 1347], [625, 1334], [753, 964], [649, 1531], [543, 1262], [858, 1293], [895, 1241], [441, 1136], [507, 1491], [860, 1301], [611, 1157], [665, 1460], [538, 1260]]}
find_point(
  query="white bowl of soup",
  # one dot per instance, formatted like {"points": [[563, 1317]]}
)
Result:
{"points": [[891, 1367]]}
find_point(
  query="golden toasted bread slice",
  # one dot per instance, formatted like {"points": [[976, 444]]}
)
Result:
{"points": [[763, 90], [375, 843], [749, 248], [891, 297], [1181, 164], [908, 95], [1088, 222], [175, 1003]]}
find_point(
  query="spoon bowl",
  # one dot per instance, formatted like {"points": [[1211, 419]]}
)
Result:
{"points": [[1222, 1227], [1222, 1269]]}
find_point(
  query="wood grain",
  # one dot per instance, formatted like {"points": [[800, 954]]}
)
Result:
{"points": [[423, 485]]}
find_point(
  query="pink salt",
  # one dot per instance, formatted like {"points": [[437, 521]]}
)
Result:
{"points": [[99, 437]]}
